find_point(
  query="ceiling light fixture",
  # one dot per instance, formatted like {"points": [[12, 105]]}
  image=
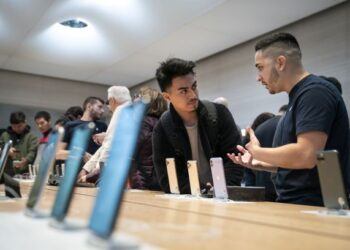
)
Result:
{"points": [[74, 23]]}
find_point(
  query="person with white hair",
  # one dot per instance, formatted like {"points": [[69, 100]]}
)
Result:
{"points": [[118, 98]]}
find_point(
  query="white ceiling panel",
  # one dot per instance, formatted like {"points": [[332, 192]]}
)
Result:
{"points": [[17, 19], [126, 39]]}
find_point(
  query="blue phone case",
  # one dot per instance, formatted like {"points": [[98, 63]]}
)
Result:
{"points": [[45, 164], [77, 149], [116, 170]]}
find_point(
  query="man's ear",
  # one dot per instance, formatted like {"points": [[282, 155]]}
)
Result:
{"points": [[281, 62], [88, 106], [166, 96]]}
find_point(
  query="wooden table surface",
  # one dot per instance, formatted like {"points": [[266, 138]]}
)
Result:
{"points": [[172, 223]]}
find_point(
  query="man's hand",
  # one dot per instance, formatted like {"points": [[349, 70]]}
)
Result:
{"points": [[254, 143], [13, 151], [98, 138], [62, 154], [20, 164], [82, 179], [82, 176], [86, 157], [243, 158]]}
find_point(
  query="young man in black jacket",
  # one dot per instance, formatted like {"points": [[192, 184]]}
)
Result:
{"points": [[191, 129]]}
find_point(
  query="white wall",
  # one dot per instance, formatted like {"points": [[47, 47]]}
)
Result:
{"points": [[325, 42], [31, 93]]}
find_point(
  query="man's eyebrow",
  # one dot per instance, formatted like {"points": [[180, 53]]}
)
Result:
{"points": [[181, 88]]}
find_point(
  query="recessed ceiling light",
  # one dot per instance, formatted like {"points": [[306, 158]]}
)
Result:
{"points": [[74, 23]]}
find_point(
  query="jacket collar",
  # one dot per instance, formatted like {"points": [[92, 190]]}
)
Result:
{"points": [[26, 130], [201, 111], [14, 137]]}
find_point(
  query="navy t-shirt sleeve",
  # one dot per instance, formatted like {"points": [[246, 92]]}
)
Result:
{"points": [[316, 110], [68, 129], [100, 127]]}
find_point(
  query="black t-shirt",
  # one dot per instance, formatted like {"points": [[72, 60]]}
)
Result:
{"points": [[70, 126], [265, 134], [314, 105]]}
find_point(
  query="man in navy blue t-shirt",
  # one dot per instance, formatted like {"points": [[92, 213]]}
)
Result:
{"points": [[93, 111], [316, 119]]}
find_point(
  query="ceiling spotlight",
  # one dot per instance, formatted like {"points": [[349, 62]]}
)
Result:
{"points": [[74, 23]]}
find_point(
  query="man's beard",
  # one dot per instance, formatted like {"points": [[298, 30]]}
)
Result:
{"points": [[274, 76], [95, 116]]}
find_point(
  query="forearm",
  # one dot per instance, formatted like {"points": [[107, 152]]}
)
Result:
{"points": [[291, 156], [263, 166]]}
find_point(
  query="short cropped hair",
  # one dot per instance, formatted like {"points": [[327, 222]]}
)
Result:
{"points": [[92, 100], [280, 44], [172, 68], [120, 93], [17, 117], [43, 114]]}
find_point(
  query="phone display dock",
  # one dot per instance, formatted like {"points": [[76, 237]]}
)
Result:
{"points": [[238, 193]]}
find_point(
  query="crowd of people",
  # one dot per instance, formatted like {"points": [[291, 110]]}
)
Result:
{"points": [[278, 152]]}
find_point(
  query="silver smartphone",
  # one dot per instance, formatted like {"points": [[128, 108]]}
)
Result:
{"points": [[331, 180], [194, 179], [219, 181], [172, 176], [4, 155]]}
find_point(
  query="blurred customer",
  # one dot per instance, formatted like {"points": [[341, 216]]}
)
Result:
{"points": [[43, 122], [24, 145], [93, 111], [118, 97], [143, 175]]}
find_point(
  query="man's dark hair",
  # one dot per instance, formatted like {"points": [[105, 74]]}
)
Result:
{"points": [[283, 108], [171, 69], [263, 117], [73, 113], [92, 100], [17, 117], [43, 114], [334, 81], [281, 44]]}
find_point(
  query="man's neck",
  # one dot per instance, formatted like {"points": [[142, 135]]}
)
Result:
{"points": [[86, 117], [189, 118], [295, 77]]}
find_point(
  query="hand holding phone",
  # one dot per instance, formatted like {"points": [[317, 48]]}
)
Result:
{"points": [[98, 138], [13, 151]]}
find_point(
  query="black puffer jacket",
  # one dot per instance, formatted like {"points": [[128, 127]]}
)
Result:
{"points": [[142, 173], [228, 138]]}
